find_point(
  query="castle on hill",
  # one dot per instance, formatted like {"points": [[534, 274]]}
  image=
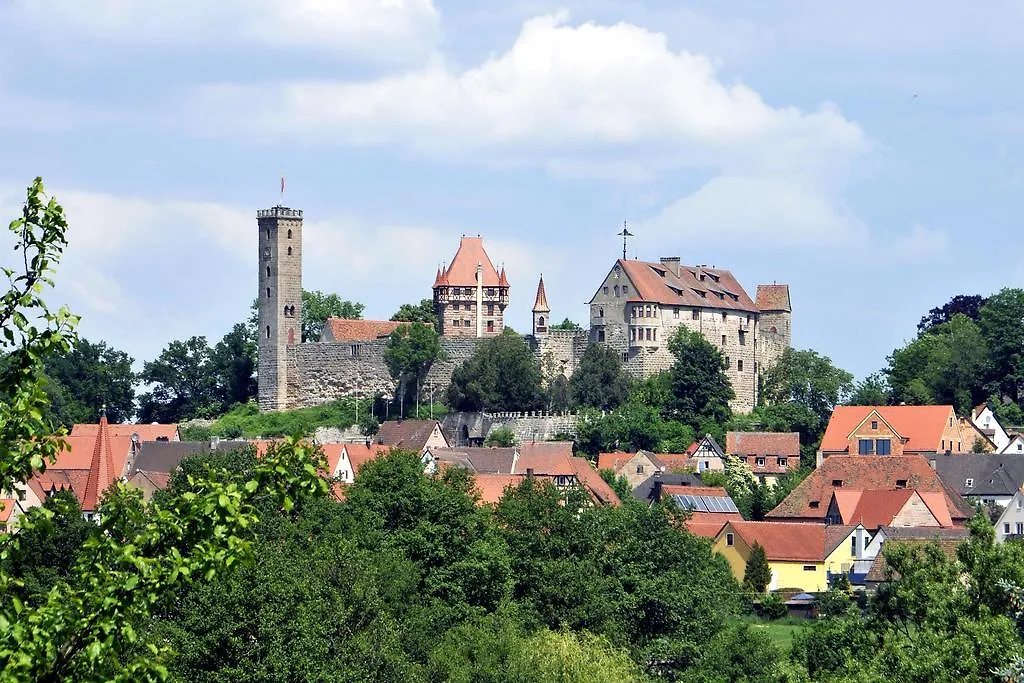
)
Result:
{"points": [[635, 310]]}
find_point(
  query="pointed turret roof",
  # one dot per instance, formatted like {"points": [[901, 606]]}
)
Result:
{"points": [[541, 304], [437, 278], [462, 271], [502, 280], [101, 469]]}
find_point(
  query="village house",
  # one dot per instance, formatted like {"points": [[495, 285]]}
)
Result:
{"points": [[344, 460], [888, 507], [894, 431], [154, 462], [412, 435], [651, 489], [987, 423], [872, 569], [1011, 520], [812, 499], [769, 455], [982, 478], [801, 556], [1015, 446], [710, 507]]}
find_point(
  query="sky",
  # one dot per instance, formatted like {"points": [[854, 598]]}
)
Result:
{"points": [[870, 154]]}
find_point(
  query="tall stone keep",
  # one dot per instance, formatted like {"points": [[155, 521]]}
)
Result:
{"points": [[280, 300]]}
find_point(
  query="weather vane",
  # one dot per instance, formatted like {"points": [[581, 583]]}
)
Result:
{"points": [[624, 234]]}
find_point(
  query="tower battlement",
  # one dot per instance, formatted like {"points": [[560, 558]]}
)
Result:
{"points": [[279, 212]]}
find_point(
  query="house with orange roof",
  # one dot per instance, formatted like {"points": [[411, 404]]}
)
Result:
{"points": [[411, 435], [710, 507], [639, 305], [346, 330], [888, 507], [153, 431], [638, 467], [706, 454], [492, 487], [802, 556], [893, 431], [470, 294], [768, 454], [852, 476], [344, 460]]}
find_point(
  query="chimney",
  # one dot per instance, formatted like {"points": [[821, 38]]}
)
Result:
{"points": [[529, 471], [656, 491], [673, 263]]}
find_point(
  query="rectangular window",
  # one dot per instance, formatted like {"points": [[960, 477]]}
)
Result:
{"points": [[456, 323], [655, 334], [606, 291], [1006, 528], [600, 335], [814, 504], [1020, 528], [874, 424], [729, 539], [743, 338], [883, 447], [675, 312], [695, 314], [490, 291], [648, 334], [625, 290], [723, 316], [739, 365], [723, 340], [943, 445], [639, 469], [901, 483], [490, 326], [616, 290], [809, 567], [969, 484], [490, 309], [759, 462], [354, 350], [466, 323], [853, 546], [783, 462], [455, 306], [865, 446], [727, 362]]}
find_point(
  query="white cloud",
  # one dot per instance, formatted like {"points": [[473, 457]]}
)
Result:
{"points": [[559, 88], [383, 27], [920, 245]]}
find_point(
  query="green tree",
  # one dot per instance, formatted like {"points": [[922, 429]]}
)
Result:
{"points": [[808, 378], [1000, 324], [569, 657], [757, 574], [317, 307], [501, 375], [409, 353], [184, 383], [88, 376], [423, 312], [945, 365], [600, 380], [873, 390], [567, 326], [233, 364], [700, 388], [962, 304], [502, 436]]}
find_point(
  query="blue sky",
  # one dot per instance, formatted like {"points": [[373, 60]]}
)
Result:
{"points": [[869, 154]]}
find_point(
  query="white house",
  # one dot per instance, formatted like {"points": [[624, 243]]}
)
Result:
{"points": [[985, 420], [1015, 446], [1011, 522]]}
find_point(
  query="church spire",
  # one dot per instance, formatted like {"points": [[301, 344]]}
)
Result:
{"points": [[540, 305]]}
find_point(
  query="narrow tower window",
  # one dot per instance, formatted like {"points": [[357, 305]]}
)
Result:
{"points": [[289, 251], [268, 331], [289, 233], [268, 292], [268, 271]]}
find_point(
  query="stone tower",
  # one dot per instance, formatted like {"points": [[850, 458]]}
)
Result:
{"points": [[470, 295], [280, 300], [541, 312], [776, 312]]}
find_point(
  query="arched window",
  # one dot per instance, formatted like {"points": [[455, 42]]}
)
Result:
{"points": [[774, 329], [268, 233], [540, 321], [268, 271], [286, 311], [268, 331], [289, 251], [289, 233]]}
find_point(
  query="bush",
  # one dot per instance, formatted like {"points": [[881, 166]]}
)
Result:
{"points": [[194, 432], [368, 425], [773, 606], [502, 436]]}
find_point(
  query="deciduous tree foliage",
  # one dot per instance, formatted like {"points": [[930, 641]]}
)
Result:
{"points": [[809, 379], [1000, 323], [410, 351], [317, 307], [700, 389], [423, 312], [873, 390], [500, 375], [233, 363], [962, 304], [88, 376], [600, 381], [184, 385]]}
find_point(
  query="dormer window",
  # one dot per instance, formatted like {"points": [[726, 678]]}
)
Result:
{"points": [[901, 483], [814, 504], [837, 483], [969, 484]]}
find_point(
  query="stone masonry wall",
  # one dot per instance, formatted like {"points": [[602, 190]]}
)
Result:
{"points": [[319, 372], [559, 350], [535, 426]]}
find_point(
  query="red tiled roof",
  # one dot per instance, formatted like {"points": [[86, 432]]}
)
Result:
{"points": [[655, 282], [790, 541], [7, 509], [462, 271], [408, 434], [359, 454], [102, 472], [540, 304], [147, 432], [491, 487], [863, 473], [545, 457], [709, 529], [343, 329], [922, 426], [773, 298], [673, 461], [785, 444], [593, 483], [613, 461]]}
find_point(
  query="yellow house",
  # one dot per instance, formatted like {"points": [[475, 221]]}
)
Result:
{"points": [[800, 555]]}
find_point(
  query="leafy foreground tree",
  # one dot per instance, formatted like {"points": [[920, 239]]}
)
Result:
{"points": [[86, 377], [423, 312], [600, 381], [85, 627]]}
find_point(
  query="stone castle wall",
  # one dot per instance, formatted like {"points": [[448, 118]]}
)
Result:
{"points": [[559, 351], [462, 428], [319, 372]]}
